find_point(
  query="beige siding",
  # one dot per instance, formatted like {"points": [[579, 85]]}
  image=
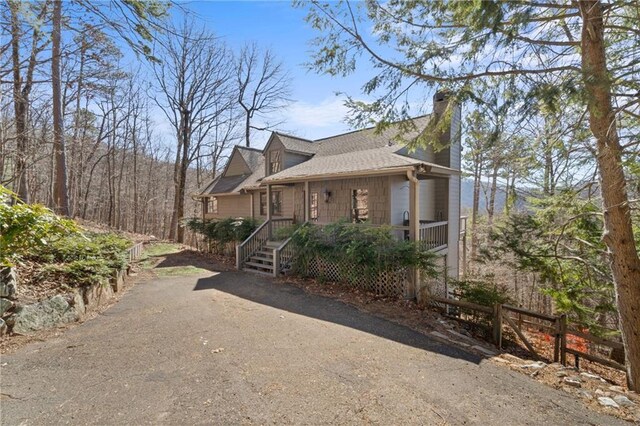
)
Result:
{"points": [[287, 202], [298, 202], [291, 159], [237, 166], [339, 206], [232, 206], [275, 145]]}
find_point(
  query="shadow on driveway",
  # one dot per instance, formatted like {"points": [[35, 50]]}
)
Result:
{"points": [[264, 291]]}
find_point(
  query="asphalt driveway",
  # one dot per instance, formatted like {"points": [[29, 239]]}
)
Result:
{"points": [[236, 348]]}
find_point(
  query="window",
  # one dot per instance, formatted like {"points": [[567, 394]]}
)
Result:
{"points": [[359, 205], [275, 162], [263, 204], [276, 203], [314, 206], [211, 205]]}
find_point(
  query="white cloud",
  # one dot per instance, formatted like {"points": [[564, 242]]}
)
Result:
{"points": [[330, 112]]}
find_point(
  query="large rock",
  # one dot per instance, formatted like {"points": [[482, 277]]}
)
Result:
{"points": [[8, 282], [3, 327], [5, 305], [97, 294], [47, 314]]}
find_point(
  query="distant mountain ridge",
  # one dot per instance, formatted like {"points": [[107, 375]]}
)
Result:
{"points": [[466, 197]]}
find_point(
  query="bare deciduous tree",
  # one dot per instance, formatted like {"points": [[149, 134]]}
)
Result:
{"points": [[263, 86], [194, 79]]}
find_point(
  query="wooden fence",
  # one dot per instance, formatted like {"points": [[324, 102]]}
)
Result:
{"points": [[135, 251], [518, 319]]}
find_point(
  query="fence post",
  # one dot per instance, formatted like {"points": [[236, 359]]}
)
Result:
{"points": [[497, 325], [563, 339], [556, 341], [276, 262]]}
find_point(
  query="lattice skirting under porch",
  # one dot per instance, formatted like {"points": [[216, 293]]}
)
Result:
{"points": [[387, 283], [436, 286]]}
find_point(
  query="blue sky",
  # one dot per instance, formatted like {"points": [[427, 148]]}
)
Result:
{"points": [[317, 111]]}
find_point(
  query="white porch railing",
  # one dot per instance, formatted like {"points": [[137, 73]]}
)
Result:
{"points": [[434, 235]]}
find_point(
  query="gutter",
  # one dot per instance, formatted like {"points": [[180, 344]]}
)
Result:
{"points": [[328, 176]]}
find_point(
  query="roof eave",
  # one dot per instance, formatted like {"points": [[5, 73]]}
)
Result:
{"points": [[330, 176]]}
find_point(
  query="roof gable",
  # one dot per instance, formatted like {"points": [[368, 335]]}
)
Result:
{"points": [[292, 144]]}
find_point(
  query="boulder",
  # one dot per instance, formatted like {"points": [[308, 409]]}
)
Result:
{"points": [[573, 381], [46, 314], [5, 305], [623, 401], [97, 294], [8, 282], [605, 401], [534, 365], [3, 327]]}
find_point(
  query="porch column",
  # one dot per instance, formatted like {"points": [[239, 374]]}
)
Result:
{"points": [[269, 209], [268, 202], [252, 207], [307, 202], [414, 229]]}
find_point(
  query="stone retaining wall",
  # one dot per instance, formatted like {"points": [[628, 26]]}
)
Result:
{"points": [[57, 310]]}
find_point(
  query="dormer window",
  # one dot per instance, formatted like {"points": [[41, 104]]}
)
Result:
{"points": [[275, 162]]}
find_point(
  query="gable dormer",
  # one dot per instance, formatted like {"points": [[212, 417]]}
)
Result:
{"points": [[242, 161], [284, 151]]}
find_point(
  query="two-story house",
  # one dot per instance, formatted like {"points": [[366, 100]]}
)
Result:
{"points": [[361, 176]]}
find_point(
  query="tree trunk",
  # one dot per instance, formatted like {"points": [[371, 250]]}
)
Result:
{"points": [[477, 176], [247, 130], [20, 104], [618, 232], [491, 207], [61, 196]]}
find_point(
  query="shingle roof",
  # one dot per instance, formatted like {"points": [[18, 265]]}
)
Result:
{"points": [[348, 162], [294, 143], [357, 151], [225, 184], [365, 139], [251, 156]]}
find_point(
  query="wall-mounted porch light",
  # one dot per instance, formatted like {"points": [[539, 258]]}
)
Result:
{"points": [[327, 195]]}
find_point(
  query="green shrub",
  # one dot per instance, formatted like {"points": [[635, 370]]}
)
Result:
{"points": [[25, 228], [79, 273], [482, 292], [110, 249], [362, 250], [224, 231]]}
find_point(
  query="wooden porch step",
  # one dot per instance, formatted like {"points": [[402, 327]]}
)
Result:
{"points": [[257, 265], [261, 259], [264, 253], [272, 244]]}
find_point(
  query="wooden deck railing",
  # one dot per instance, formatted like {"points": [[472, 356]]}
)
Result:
{"points": [[249, 246], [283, 256], [276, 225], [135, 251], [434, 235]]}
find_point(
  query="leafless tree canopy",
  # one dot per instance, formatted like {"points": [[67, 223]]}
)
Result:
{"points": [[126, 146], [263, 87]]}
